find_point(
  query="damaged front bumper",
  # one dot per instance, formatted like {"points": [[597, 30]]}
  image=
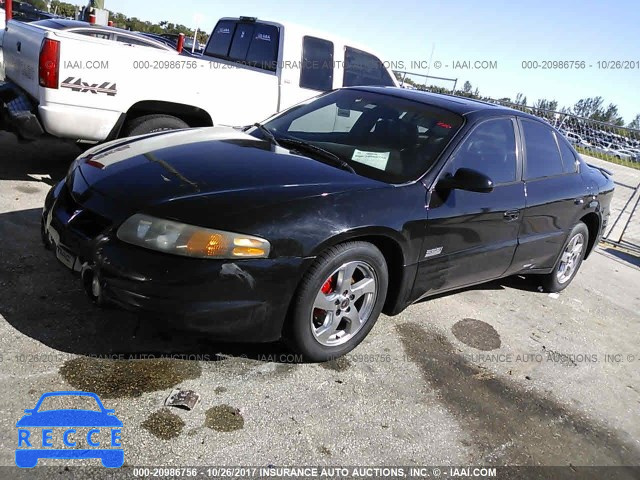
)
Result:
{"points": [[16, 112], [242, 300]]}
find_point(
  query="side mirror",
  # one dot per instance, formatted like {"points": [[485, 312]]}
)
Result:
{"points": [[467, 179]]}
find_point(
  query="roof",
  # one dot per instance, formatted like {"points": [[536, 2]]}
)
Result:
{"points": [[459, 105]]}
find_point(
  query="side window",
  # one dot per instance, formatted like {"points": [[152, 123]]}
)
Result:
{"points": [[543, 156], [317, 64], [249, 43], [490, 149], [363, 69], [569, 159]]}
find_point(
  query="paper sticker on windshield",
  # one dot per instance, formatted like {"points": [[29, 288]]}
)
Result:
{"points": [[377, 160]]}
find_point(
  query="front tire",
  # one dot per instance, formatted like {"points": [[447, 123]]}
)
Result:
{"points": [[152, 124], [570, 259], [338, 301]]}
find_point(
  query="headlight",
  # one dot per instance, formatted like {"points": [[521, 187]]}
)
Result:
{"points": [[190, 241]]}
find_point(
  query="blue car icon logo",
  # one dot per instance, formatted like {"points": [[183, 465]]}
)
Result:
{"points": [[69, 433]]}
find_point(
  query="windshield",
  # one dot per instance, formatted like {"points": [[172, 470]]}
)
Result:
{"points": [[382, 137]]}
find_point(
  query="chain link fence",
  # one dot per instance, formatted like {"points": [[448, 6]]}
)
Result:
{"points": [[605, 145]]}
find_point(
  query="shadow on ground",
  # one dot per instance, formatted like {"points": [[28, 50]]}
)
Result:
{"points": [[45, 160]]}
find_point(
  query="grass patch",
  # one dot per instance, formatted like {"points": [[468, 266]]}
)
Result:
{"points": [[607, 158]]}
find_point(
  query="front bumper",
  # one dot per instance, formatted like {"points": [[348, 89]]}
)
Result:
{"points": [[16, 112], [244, 300]]}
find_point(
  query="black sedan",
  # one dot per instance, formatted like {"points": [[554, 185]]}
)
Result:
{"points": [[307, 227]]}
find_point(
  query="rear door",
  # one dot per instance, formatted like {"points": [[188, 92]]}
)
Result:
{"points": [[556, 195], [472, 237]]}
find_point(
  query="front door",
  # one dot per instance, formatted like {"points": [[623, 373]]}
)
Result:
{"points": [[471, 237]]}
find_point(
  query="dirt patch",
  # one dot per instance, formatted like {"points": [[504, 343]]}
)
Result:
{"points": [[127, 378], [163, 424], [338, 364], [224, 418], [477, 334]]}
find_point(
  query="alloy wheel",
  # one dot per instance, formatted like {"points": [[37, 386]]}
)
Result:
{"points": [[344, 303], [570, 258]]}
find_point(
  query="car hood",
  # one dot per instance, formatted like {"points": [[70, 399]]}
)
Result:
{"points": [[160, 168]]}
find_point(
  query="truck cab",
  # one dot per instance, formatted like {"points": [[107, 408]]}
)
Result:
{"points": [[249, 70]]}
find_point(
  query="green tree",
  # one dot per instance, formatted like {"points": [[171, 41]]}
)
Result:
{"points": [[635, 123]]}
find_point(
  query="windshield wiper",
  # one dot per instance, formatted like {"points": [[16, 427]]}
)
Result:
{"points": [[310, 147], [267, 133]]}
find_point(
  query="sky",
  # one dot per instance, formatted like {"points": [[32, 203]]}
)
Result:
{"points": [[457, 31]]}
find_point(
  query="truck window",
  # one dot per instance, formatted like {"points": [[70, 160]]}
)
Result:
{"points": [[249, 43], [362, 68], [263, 51], [317, 64], [220, 41]]}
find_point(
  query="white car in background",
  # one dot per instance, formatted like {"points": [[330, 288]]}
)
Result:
{"points": [[631, 153], [576, 139]]}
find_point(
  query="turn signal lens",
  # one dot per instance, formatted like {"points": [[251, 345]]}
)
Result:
{"points": [[206, 243], [189, 240]]}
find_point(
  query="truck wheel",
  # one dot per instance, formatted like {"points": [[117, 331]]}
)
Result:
{"points": [[153, 123], [338, 301]]}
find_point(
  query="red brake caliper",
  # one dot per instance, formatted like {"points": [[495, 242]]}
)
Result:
{"points": [[328, 288]]}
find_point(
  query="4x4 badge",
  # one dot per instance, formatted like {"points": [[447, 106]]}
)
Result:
{"points": [[77, 85]]}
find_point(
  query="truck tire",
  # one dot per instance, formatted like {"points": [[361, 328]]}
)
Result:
{"points": [[152, 124]]}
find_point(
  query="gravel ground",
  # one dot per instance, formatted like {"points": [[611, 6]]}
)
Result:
{"points": [[499, 374]]}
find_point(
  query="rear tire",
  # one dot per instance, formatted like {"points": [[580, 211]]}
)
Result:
{"points": [[350, 281], [152, 124], [569, 261]]}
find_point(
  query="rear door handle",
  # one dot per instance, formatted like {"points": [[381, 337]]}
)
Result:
{"points": [[511, 215]]}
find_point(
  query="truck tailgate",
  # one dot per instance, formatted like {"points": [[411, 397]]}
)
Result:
{"points": [[21, 46]]}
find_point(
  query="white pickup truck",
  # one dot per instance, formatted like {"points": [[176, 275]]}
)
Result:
{"points": [[92, 89]]}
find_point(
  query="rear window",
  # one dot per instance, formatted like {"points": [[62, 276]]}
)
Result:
{"points": [[363, 69], [249, 43]]}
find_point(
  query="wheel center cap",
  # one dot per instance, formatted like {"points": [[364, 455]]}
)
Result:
{"points": [[345, 303]]}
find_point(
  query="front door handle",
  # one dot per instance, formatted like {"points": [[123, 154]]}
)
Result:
{"points": [[511, 215]]}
